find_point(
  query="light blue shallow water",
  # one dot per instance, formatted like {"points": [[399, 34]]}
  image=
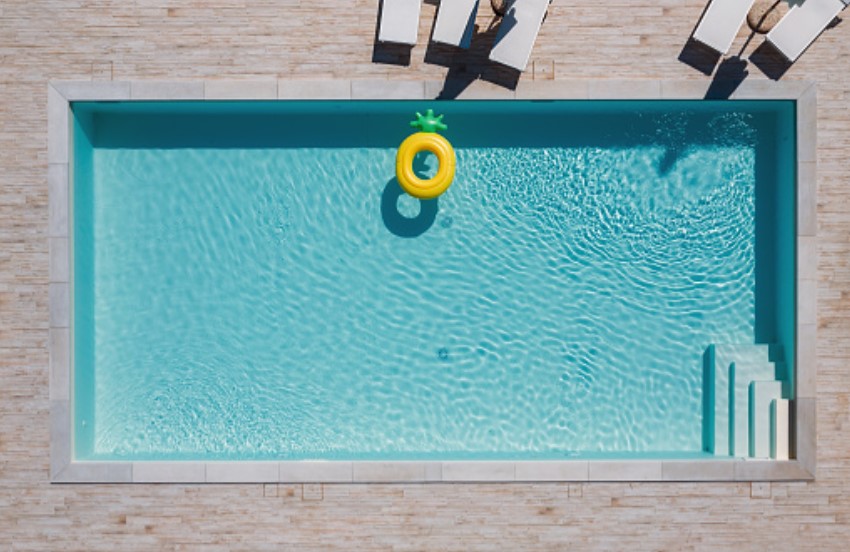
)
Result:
{"points": [[250, 297]]}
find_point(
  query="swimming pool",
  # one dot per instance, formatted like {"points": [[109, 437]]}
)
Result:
{"points": [[250, 282]]}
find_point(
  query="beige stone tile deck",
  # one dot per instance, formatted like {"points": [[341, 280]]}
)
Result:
{"points": [[176, 40]]}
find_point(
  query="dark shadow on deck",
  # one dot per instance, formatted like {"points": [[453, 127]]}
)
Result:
{"points": [[468, 65], [699, 56], [770, 61], [730, 74], [387, 52]]}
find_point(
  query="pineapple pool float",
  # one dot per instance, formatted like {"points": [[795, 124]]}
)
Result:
{"points": [[426, 139]]}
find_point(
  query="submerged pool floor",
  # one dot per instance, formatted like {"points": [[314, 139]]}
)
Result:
{"points": [[275, 300]]}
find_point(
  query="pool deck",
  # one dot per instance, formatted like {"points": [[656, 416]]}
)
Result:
{"points": [[625, 47]]}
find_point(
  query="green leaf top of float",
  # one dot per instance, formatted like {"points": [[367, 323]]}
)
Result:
{"points": [[428, 122]]}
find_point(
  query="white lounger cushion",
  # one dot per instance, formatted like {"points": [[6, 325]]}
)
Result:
{"points": [[517, 32], [455, 22], [802, 25], [399, 21], [721, 22]]}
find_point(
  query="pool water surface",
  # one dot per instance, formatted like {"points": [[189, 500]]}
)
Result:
{"points": [[250, 282]]}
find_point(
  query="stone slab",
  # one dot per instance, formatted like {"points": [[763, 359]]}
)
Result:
{"points": [[242, 472], [807, 301], [240, 90], [479, 471], [167, 90], [169, 472], [807, 126], [625, 470], [59, 305], [807, 367], [553, 90], [388, 472], [58, 118], [807, 198], [59, 353], [59, 260], [805, 435], [78, 91], [771, 470], [60, 437], [298, 89], [615, 89], [316, 472], [58, 189], [698, 470], [373, 89], [573, 470]]}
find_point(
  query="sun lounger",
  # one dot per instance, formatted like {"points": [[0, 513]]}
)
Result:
{"points": [[802, 25], [455, 22], [399, 21], [517, 33], [721, 22]]}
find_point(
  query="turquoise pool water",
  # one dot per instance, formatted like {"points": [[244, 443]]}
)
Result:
{"points": [[251, 283]]}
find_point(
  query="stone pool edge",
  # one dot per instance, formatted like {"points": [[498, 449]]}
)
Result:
{"points": [[64, 469]]}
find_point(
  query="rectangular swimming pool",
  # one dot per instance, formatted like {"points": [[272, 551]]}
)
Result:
{"points": [[250, 282]]}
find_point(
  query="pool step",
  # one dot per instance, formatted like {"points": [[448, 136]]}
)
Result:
{"points": [[741, 384], [716, 363], [762, 395], [745, 375], [780, 429]]}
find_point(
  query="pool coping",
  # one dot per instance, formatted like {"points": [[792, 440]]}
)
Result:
{"points": [[65, 469]]}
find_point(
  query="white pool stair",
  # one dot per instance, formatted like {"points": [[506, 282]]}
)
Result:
{"points": [[780, 429], [747, 407], [762, 394]]}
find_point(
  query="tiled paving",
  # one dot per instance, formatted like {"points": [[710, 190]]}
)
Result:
{"points": [[282, 41]]}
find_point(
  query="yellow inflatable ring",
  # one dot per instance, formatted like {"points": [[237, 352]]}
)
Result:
{"points": [[412, 184]]}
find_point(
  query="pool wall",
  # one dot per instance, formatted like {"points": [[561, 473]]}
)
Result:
{"points": [[62, 131]]}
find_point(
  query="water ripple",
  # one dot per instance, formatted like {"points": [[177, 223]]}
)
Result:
{"points": [[257, 307]]}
